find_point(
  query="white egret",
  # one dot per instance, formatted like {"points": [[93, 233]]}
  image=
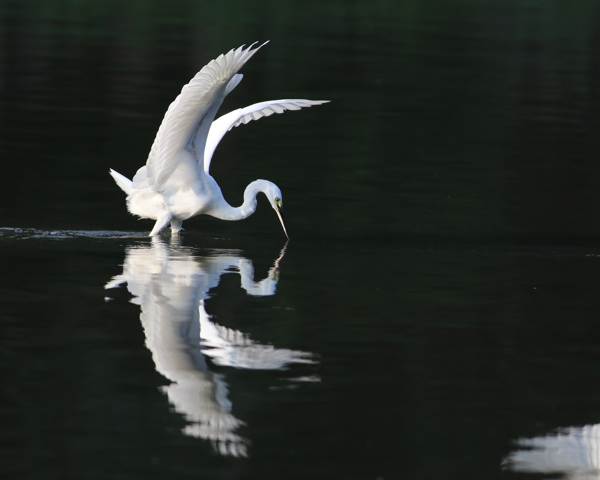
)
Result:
{"points": [[175, 183]]}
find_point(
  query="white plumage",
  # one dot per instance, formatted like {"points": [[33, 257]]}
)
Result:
{"points": [[573, 453], [175, 183]]}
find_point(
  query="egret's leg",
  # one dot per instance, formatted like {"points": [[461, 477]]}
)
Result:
{"points": [[175, 226], [161, 222]]}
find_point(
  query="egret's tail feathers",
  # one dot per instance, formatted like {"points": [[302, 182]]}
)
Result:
{"points": [[162, 221], [122, 182]]}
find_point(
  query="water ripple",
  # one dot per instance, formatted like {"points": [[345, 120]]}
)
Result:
{"points": [[28, 233]]}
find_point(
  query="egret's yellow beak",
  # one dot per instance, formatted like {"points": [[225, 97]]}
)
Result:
{"points": [[279, 211]]}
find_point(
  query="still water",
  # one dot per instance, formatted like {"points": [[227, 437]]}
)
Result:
{"points": [[436, 314]]}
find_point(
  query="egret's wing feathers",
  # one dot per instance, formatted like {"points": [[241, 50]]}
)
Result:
{"points": [[243, 115], [189, 117], [264, 109]]}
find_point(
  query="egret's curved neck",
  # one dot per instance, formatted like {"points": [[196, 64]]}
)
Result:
{"points": [[227, 212]]}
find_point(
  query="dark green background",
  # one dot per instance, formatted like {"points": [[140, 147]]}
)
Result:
{"points": [[444, 211]]}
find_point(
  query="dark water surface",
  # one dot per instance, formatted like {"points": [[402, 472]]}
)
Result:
{"points": [[436, 313]]}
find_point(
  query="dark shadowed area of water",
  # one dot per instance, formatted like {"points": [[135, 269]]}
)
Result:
{"points": [[436, 314]]}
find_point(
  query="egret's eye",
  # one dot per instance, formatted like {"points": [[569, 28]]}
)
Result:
{"points": [[278, 202]]}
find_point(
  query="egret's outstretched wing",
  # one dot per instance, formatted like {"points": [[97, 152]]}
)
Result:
{"points": [[243, 115], [189, 117]]}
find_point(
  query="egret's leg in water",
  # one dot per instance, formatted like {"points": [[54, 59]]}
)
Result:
{"points": [[175, 226]]}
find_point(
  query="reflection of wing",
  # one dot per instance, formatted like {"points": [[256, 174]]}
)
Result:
{"points": [[243, 115], [170, 285], [232, 348], [573, 452]]}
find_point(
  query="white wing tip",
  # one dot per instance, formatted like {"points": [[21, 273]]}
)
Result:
{"points": [[260, 46], [250, 51]]}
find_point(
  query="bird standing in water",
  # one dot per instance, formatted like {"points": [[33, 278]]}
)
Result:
{"points": [[175, 185]]}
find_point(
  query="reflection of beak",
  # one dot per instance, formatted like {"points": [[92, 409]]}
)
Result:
{"points": [[282, 220]]}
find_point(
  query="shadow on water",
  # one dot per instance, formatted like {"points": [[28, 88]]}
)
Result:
{"points": [[171, 283]]}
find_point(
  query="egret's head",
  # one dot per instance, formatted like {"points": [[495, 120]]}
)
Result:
{"points": [[276, 200]]}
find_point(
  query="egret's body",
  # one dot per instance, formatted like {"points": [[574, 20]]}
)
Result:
{"points": [[175, 183]]}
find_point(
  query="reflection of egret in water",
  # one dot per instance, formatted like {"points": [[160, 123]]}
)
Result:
{"points": [[573, 453], [171, 284]]}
